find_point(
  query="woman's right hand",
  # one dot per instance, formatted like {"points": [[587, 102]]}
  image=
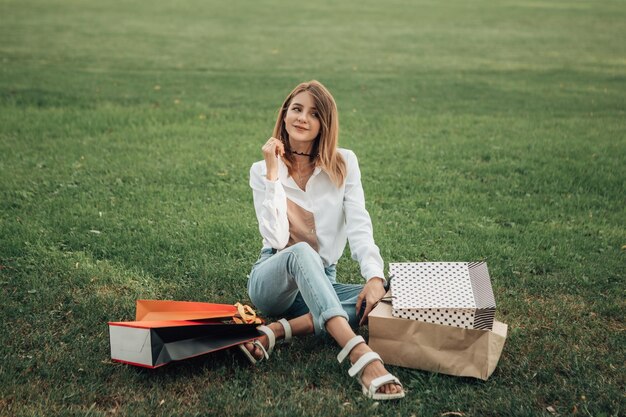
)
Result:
{"points": [[272, 150]]}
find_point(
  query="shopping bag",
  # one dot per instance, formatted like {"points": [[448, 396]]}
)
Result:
{"points": [[435, 347], [158, 310], [450, 293], [153, 344], [166, 331]]}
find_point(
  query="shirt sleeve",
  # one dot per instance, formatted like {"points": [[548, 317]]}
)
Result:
{"points": [[270, 205], [359, 224]]}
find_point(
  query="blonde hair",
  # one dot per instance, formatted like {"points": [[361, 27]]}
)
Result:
{"points": [[324, 151]]}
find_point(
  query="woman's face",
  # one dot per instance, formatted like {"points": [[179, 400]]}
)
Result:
{"points": [[302, 120]]}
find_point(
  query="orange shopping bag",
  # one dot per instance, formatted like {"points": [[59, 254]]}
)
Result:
{"points": [[166, 331], [159, 310]]}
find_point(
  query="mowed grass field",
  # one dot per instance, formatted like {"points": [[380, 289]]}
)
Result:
{"points": [[484, 130]]}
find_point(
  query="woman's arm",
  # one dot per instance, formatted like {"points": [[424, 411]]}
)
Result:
{"points": [[361, 238], [359, 224], [270, 204]]}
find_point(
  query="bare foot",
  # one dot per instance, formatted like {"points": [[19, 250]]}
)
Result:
{"points": [[256, 351], [373, 370]]}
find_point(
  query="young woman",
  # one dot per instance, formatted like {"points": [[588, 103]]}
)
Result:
{"points": [[309, 200]]}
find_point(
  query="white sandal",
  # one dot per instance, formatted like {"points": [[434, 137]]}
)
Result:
{"points": [[357, 369], [272, 341]]}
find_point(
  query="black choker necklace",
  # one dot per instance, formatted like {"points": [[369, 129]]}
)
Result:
{"points": [[302, 153]]}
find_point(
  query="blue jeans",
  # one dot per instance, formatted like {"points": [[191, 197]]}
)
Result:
{"points": [[294, 282]]}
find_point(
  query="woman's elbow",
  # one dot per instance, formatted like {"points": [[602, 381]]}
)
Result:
{"points": [[277, 240], [282, 241]]}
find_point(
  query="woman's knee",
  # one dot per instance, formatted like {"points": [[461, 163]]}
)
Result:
{"points": [[302, 249], [303, 257], [271, 304]]}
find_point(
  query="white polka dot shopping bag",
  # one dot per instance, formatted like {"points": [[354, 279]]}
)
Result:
{"points": [[456, 294]]}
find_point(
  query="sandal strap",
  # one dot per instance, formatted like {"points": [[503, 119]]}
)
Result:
{"points": [[382, 380], [259, 344], [363, 361], [348, 347], [287, 328], [270, 336]]}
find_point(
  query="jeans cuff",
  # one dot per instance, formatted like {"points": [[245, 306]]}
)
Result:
{"points": [[320, 325]]}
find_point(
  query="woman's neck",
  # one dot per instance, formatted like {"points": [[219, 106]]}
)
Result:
{"points": [[302, 161], [303, 149]]}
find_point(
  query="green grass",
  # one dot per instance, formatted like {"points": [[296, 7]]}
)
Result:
{"points": [[484, 130]]}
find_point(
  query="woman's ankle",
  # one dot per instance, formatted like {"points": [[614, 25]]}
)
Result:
{"points": [[278, 329], [358, 351]]}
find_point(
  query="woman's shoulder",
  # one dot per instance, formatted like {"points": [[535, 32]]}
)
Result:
{"points": [[348, 156], [258, 167], [346, 153], [258, 170]]}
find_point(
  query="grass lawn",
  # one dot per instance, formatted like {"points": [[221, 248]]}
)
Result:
{"points": [[484, 130]]}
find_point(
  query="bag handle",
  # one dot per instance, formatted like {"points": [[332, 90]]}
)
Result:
{"points": [[246, 315]]}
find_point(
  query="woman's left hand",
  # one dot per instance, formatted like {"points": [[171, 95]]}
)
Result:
{"points": [[371, 293]]}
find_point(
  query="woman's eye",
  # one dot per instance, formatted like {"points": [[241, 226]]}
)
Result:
{"points": [[315, 114], [296, 109]]}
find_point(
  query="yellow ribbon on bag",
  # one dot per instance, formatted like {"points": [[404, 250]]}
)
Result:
{"points": [[246, 315]]}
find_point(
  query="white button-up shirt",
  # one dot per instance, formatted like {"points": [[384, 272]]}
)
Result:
{"points": [[340, 213]]}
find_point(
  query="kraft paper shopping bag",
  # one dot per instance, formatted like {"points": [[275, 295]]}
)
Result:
{"points": [[435, 347]]}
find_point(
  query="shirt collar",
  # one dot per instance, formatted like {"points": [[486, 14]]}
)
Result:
{"points": [[286, 179], [283, 175]]}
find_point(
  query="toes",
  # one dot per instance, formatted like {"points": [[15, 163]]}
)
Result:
{"points": [[395, 389], [390, 389], [257, 352], [254, 350]]}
